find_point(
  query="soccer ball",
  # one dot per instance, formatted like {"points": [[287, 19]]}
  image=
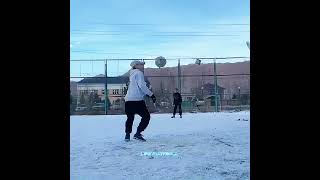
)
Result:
{"points": [[160, 61]]}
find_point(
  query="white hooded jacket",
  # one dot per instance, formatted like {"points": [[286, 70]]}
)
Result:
{"points": [[137, 86]]}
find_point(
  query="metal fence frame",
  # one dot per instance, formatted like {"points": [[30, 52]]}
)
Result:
{"points": [[215, 75]]}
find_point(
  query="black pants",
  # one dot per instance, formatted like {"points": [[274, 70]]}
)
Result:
{"points": [[140, 108], [175, 109]]}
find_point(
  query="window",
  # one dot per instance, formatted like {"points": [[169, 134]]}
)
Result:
{"points": [[84, 92], [115, 91]]}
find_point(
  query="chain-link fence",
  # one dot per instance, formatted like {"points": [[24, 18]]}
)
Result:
{"points": [[93, 93]]}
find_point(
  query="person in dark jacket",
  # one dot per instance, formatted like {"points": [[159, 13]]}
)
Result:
{"points": [[177, 100]]}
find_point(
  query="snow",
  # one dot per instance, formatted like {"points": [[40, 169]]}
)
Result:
{"points": [[205, 146]]}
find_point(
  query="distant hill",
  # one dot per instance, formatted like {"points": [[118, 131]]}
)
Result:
{"points": [[230, 83]]}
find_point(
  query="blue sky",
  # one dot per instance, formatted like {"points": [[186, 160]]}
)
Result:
{"points": [[103, 29]]}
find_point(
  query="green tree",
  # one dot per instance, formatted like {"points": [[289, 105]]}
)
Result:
{"points": [[108, 101], [96, 98], [82, 99], [91, 100]]}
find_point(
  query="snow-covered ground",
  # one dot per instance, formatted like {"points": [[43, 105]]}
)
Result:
{"points": [[207, 146]]}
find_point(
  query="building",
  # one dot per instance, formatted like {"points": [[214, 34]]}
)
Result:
{"points": [[73, 88], [201, 92], [117, 87], [209, 90]]}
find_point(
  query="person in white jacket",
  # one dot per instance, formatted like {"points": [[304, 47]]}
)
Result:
{"points": [[134, 100]]}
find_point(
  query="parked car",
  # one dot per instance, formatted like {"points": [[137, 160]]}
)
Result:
{"points": [[98, 106], [115, 106], [165, 104], [81, 108]]}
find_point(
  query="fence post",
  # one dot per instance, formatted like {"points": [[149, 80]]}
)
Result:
{"points": [[215, 86], [179, 76], [106, 93], [239, 99]]}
